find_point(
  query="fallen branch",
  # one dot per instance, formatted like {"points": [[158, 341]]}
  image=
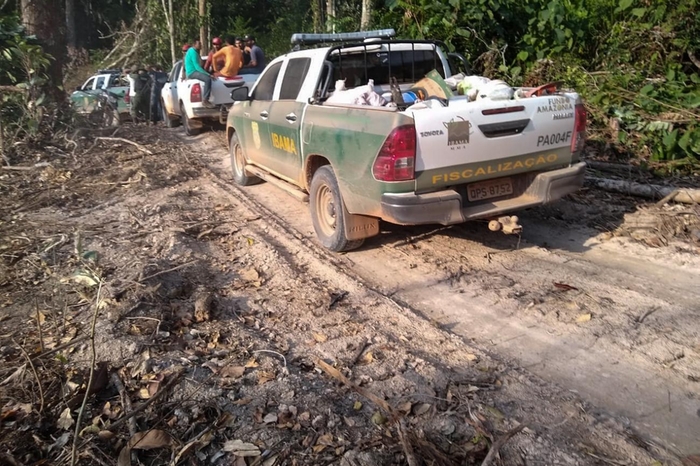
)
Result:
{"points": [[667, 199], [93, 360], [15, 89], [361, 349], [406, 444], [36, 376], [146, 404], [617, 168], [498, 444], [182, 266], [22, 168], [393, 415], [18, 169], [126, 406], [646, 191], [60, 348], [124, 140], [335, 373], [126, 402]]}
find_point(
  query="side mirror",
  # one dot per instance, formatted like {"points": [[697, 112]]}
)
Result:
{"points": [[240, 94]]}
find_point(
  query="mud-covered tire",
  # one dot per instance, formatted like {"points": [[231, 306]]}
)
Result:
{"points": [[325, 203], [104, 117], [189, 129], [168, 121], [114, 119], [238, 164]]}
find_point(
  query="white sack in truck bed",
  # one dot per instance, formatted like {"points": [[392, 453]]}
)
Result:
{"points": [[361, 95]]}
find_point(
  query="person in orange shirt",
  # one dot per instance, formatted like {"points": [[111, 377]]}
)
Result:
{"points": [[233, 59]]}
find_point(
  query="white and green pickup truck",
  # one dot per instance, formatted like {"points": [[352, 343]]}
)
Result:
{"points": [[448, 162]]}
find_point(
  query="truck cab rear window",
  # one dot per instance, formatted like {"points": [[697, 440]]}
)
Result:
{"points": [[408, 66], [294, 78], [266, 86]]}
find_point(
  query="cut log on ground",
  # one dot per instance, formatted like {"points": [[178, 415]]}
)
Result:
{"points": [[647, 191]]}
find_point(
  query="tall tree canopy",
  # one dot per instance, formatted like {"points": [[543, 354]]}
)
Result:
{"points": [[633, 60]]}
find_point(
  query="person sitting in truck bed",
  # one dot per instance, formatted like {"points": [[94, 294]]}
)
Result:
{"points": [[215, 48], [233, 59], [257, 57], [242, 47], [194, 70]]}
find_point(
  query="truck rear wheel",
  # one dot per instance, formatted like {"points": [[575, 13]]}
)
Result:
{"points": [[170, 122], [238, 164], [189, 129], [327, 211]]}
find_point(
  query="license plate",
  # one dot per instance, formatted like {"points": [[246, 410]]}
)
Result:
{"points": [[489, 189]]}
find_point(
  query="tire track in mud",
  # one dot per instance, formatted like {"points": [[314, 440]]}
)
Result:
{"points": [[445, 281]]}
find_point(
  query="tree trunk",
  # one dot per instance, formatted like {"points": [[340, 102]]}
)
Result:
{"points": [[46, 20], [317, 9], [173, 52], [330, 16], [170, 20], [647, 191], [71, 32], [77, 55], [366, 15], [203, 32]]}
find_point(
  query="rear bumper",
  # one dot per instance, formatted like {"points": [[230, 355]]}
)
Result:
{"points": [[203, 113], [447, 207]]}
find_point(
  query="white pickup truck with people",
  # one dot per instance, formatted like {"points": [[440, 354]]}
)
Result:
{"points": [[193, 96]]}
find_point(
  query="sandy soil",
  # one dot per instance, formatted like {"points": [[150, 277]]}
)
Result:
{"points": [[217, 304]]}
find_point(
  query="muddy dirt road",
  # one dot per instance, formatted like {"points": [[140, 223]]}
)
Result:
{"points": [[600, 314], [215, 305]]}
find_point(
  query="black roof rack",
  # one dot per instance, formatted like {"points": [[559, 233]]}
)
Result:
{"points": [[300, 39]]}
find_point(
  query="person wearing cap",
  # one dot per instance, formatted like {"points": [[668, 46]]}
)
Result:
{"points": [[194, 70], [242, 47], [215, 47], [233, 59], [257, 57]]}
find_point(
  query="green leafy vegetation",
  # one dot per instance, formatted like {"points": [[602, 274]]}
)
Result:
{"points": [[23, 103], [633, 61]]}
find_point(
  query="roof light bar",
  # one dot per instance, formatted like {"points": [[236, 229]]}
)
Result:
{"points": [[306, 39]]}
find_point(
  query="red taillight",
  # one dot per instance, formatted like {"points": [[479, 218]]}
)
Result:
{"points": [[196, 93], [499, 111], [127, 98], [396, 158], [579, 139]]}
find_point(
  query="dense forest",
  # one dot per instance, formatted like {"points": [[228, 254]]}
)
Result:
{"points": [[636, 62]]}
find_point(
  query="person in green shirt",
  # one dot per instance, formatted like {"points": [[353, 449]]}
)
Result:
{"points": [[194, 70]]}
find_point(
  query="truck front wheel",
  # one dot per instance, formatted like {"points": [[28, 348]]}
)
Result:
{"points": [[328, 212]]}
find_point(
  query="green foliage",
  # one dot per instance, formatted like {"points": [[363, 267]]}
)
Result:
{"points": [[23, 66], [628, 58]]}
